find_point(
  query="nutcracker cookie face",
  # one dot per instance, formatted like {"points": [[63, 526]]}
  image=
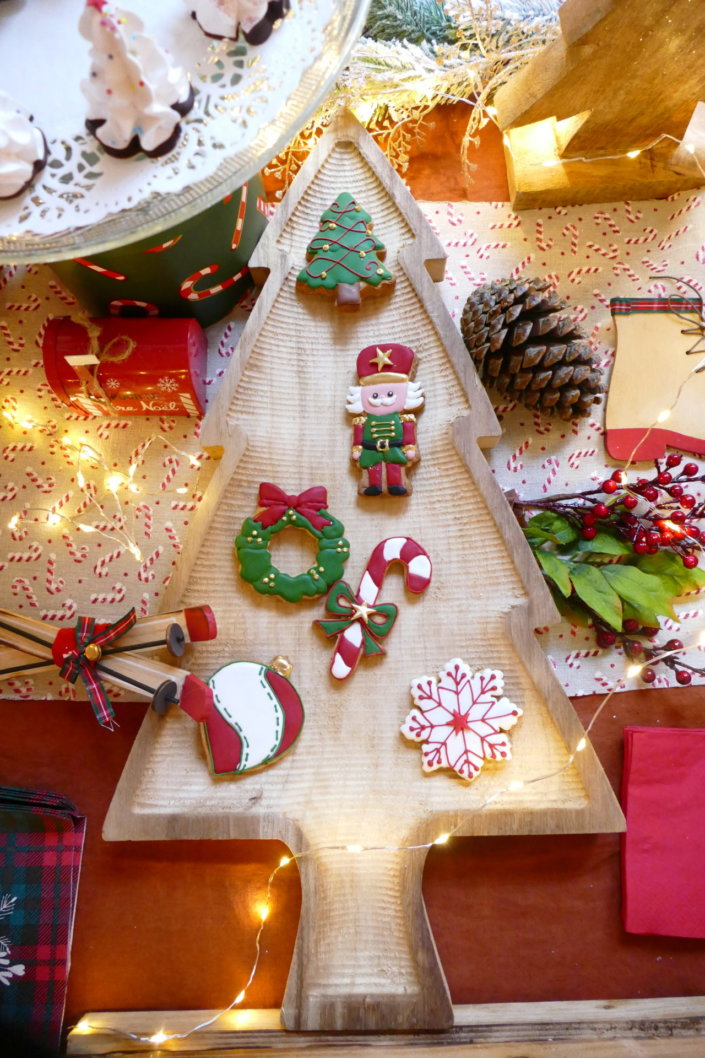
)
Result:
{"points": [[384, 428]]}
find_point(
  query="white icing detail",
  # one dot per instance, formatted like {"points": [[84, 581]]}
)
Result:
{"points": [[420, 566], [245, 700], [368, 589], [21, 145], [354, 634], [132, 85], [392, 547], [338, 668]]}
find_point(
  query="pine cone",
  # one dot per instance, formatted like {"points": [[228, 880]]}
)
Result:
{"points": [[525, 347]]}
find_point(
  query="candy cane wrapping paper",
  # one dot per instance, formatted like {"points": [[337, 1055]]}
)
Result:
{"points": [[572, 246]]}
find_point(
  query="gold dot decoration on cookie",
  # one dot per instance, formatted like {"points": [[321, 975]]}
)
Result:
{"points": [[362, 253], [326, 246], [323, 275], [380, 271]]}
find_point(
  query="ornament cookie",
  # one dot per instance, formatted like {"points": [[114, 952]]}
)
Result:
{"points": [[345, 258], [358, 620], [257, 716], [278, 511], [135, 95], [384, 430], [460, 717]]}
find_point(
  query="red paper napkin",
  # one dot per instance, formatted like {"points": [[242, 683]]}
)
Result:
{"points": [[663, 850]]}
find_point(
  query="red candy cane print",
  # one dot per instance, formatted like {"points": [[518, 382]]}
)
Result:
{"points": [[187, 291], [21, 586], [118, 304], [417, 566], [53, 584], [93, 267]]}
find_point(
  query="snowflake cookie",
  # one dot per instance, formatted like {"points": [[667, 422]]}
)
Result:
{"points": [[460, 717]]}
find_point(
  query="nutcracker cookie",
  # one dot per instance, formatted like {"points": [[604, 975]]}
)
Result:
{"points": [[345, 258], [384, 428]]}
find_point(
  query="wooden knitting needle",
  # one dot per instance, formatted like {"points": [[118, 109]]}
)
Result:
{"points": [[163, 684]]}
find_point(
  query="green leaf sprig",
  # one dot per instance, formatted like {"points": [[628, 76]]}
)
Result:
{"points": [[617, 556]]}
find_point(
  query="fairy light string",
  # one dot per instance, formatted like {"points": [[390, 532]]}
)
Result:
{"points": [[112, 527], [265, 907]]}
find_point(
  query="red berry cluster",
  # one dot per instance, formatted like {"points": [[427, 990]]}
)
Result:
{"points": [[654, 513], [643, 653]]}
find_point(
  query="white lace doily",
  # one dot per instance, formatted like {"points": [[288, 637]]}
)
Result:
{"points": [[248, 101]]}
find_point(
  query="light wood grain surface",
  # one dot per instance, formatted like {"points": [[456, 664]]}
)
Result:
{"points": [[365, 958]]}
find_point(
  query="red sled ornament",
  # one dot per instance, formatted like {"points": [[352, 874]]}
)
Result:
{"points": [[125, 367]]}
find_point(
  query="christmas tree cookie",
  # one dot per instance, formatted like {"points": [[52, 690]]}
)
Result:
{"points": [[135, 94], [345, 258], [255, 19], [23, 149]]}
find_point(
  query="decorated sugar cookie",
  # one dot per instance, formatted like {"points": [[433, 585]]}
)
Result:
{"points": [[278, 511], [257, 716], [358, 621], [384, 430], [345, 258], [460, 718]]}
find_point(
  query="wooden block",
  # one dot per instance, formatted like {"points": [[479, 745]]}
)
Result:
{"points": [[538, 176], [365, 959], [622, 75]]}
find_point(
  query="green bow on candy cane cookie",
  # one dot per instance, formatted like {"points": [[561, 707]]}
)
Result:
{"points": [[278, 511]]}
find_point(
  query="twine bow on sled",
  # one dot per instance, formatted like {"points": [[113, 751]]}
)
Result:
{"points": [[275, 503], [346, 609], [82, 658], [86, 364]]}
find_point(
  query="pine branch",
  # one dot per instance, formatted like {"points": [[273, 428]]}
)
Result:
{"points": [[410, 20]]}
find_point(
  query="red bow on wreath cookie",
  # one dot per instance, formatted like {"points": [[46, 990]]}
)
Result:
{"points": [[275, 503]]}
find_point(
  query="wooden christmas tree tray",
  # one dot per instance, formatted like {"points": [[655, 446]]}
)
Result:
{"points": [[365, 959]]}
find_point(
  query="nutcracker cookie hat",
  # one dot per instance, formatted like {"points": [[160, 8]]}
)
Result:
{"points": [[390, 362]]}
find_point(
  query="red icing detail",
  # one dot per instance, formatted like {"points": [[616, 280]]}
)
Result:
{"points": [[224, 744], [201, 623], [292, 707], [196, 698]]}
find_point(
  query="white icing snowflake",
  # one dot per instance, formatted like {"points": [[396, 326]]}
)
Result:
{"points": [[167, 384], [111, 385], [459, 718]]}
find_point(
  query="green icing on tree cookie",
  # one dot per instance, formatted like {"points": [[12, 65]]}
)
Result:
{"points": [[345, 258]]}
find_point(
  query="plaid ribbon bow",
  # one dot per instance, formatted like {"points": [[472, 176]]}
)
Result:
{"points": [[76, 663], [345, 607]]}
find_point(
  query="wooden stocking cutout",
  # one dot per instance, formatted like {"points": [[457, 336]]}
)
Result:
{"points": [[365, 958]]}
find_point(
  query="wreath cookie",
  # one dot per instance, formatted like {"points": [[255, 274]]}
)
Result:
{"points": [[277, 511]]}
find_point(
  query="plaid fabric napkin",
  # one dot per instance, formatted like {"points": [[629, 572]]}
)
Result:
{"points": [[663, 850], [41, 843]]}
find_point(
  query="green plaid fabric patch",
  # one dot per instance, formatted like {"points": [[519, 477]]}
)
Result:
{"points": [[41, 843]]}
